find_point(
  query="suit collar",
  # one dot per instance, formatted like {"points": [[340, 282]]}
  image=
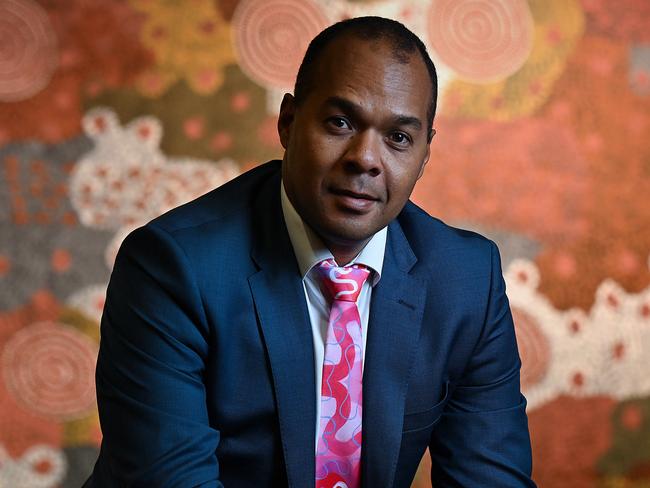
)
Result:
{"points": [[402, 255]]}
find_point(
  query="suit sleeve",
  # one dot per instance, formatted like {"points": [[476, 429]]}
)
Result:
{"points": [[150, 389], [482, 438]]}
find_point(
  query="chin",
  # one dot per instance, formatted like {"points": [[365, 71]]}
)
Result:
{"points": [[345, 233]]}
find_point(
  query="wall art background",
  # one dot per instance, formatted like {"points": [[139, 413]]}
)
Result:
{"points": [[112, 112]]}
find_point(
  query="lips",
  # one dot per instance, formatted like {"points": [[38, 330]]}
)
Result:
{"points": [[353, 194], [357, 202]]}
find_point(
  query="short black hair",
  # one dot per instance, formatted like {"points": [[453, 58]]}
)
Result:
{"points": [[403, 42]]}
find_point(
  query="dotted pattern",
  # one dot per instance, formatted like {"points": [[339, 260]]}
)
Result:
{"points": [[125, 180], [578, 353], [192, 44], [39, 467], [542, 145]]}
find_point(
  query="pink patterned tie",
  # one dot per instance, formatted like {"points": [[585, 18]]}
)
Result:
{"points": [[338, 454]]}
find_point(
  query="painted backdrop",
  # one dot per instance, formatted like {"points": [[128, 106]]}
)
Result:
{"points": [[114, 111]]}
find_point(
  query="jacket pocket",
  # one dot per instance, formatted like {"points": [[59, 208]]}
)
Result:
{"points": [[426, 418]]}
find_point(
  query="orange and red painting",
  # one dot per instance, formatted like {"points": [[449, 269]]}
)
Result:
{"points": [[112, 112]]}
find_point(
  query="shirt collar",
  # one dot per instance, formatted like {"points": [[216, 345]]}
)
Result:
{"points": [[310, 250]]}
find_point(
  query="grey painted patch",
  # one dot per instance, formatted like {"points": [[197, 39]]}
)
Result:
{"points": [[56, 159], [639, 72], [81, 460], [28, 247]]}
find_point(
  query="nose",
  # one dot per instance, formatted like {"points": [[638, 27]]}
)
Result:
{"points": [[363, 153]]}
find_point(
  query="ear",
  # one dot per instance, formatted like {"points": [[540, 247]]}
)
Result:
{"points": [[424, 163], [425, 160], [285, 119]]}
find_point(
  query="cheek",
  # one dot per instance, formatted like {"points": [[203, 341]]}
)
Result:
{"points": [[327, 150], [321, 156], [400, 185]]}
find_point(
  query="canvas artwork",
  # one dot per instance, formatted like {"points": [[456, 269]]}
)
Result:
{"points": [[113, 112]]}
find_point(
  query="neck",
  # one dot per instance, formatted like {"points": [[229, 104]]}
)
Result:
{"points": [[343, 254]]}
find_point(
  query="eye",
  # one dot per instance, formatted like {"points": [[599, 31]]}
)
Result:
{"points": [[339, 123], [399, 138]]}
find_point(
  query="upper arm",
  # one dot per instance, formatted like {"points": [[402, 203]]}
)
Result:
{"points": [[150, 369], [482, 438]]}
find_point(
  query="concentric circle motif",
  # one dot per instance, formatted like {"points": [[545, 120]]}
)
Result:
{"points": [[271, 37], [49, 368], [481, 40], [28, 53], [534, 348]]}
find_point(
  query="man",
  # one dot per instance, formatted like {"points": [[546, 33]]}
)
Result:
{"points": [[232, 352]]}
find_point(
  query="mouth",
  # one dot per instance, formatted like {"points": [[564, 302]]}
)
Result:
{"points": [[354, 201], [353, 194]]}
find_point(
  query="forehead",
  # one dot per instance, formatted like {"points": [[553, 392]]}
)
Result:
{"points": [[370, 74]]}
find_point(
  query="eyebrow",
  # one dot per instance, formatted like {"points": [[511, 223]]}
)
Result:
{"points": [[352, 108]]}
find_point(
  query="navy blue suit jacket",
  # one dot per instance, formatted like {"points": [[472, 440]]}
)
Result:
{"points": [[205, 373]]}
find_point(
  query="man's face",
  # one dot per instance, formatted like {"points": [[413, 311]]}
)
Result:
{"points": [[357, 144]]}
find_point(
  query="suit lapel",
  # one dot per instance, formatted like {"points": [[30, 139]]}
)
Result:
{"points": [[393, 330], [284, 320]]}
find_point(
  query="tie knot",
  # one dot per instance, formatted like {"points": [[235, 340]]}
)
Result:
{"points": [[343, 283]]}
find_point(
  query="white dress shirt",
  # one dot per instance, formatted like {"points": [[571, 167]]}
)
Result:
{"points": [[310, 250]]}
